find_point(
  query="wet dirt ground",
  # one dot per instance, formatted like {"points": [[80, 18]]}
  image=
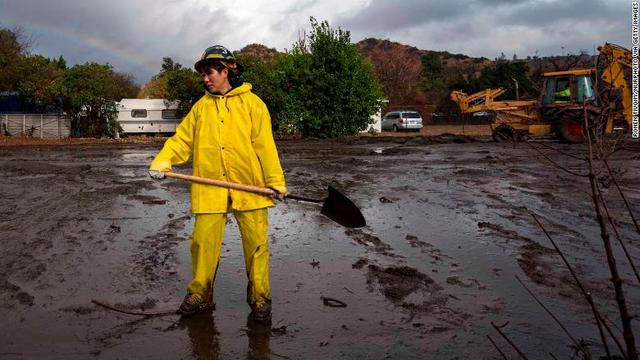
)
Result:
{"points": [[449, 225]]}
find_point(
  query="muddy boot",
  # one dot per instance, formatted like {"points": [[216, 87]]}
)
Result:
{"points": [[193, 303], [261, 312]]}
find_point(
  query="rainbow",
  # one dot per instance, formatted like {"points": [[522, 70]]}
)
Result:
{"points": [[72, 35]]}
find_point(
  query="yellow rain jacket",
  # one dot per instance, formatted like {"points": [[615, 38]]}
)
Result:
{"points": [[230, 139]]}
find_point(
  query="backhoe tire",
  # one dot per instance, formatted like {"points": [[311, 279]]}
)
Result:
{"points": [[571, 131], [571, 128], [504, 133]]}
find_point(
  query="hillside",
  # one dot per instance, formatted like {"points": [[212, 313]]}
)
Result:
{"points": [[400, 70], [421, 80]]}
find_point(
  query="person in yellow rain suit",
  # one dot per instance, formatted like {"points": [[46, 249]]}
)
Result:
{"points": [[563, 95], [228, 134]]}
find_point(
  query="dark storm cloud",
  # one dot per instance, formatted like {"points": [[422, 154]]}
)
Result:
{"points": [[394, 15], [131, 36], [581, 13], [489, 27]]}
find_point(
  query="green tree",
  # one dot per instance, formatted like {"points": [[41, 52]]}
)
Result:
{"points": [[14, 47], [432, 70], [127, 85], [89, 93], [168, 65], [328, 88], [154, 89], [502, 74], [175, 83], [266, 81], [40, 83], [184, 86]]}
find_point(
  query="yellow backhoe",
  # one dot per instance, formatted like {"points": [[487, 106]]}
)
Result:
{"points": [[602, 93]]}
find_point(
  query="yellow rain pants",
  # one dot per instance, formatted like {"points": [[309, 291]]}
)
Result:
{"points": [[206, 246]]}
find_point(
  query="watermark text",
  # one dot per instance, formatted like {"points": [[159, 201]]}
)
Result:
{"points": [[635, 64]]}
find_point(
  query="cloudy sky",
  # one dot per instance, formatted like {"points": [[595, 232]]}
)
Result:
{"points": [[134, 35]]}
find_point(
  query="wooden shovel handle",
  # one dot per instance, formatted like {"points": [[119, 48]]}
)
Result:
{"points": [[225, 184]]}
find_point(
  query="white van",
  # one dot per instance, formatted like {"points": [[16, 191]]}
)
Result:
{"points": [[402, 120]]}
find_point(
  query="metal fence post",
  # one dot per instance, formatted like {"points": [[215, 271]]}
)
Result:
{"points": [[41, 126], [24, 124], [6, 123], [59, 130]]}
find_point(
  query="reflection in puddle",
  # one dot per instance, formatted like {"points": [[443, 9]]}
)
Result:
{"points": [[203, 335]]}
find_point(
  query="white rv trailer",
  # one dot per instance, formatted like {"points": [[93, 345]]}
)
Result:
{"points": [[147, 116]]}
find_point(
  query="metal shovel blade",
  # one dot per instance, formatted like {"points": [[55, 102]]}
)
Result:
{"points": [[340, 209]]}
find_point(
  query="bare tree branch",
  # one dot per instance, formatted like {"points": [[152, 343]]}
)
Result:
{"points": [[555, 163], [585, 293], [624, 198], [532, 140], [584, 350], [618, 236], [497, 347], [522, 355], [627, 332]]}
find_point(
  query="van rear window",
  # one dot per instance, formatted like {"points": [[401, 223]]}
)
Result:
{"points": [[411, 115]]}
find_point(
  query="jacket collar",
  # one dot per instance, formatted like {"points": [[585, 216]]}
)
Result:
{"points": [[243, 88]]}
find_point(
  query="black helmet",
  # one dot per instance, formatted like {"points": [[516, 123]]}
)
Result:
{"points": [[218, 53]]}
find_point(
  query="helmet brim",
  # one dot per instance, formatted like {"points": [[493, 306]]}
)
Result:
{"points": [[202, 63]]}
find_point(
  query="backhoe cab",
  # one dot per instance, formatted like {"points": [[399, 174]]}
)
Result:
{"points": [[567, 97]]}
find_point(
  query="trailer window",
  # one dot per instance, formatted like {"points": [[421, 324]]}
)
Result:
{"points": [[139, 113], [168, 114]]}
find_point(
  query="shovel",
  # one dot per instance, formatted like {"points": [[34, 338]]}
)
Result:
{"points": [[336, 206]]}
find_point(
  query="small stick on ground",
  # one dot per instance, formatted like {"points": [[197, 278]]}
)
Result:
{"points": [[135, 312]]}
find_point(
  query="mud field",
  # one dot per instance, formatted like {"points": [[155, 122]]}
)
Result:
{"points": [[449, 225]]}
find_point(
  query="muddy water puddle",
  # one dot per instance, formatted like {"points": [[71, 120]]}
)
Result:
{"points": [[449, 225]]}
